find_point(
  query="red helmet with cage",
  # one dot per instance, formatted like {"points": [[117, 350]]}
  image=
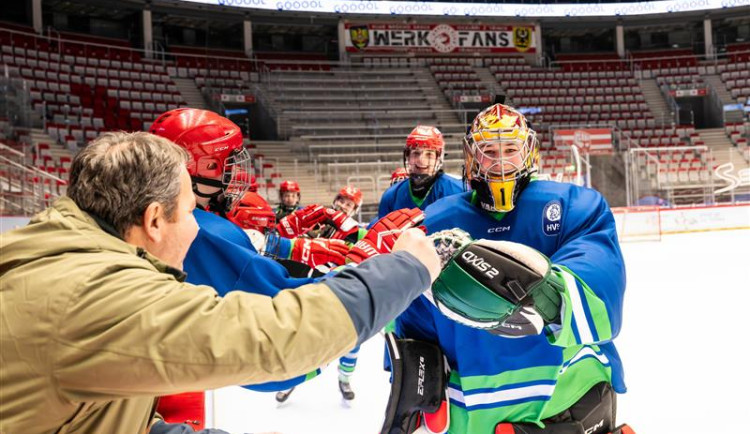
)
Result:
{"points": [[352, 193], [425, 137], [399, 175], [252, 212], [217, 155]]}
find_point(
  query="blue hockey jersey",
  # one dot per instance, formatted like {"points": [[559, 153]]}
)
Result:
{"points": [[222, 256], [531, 378], [399, 196]]}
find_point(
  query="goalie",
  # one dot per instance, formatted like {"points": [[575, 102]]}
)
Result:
{"points": [[525, 315]]}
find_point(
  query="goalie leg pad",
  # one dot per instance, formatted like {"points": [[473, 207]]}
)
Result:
{"points": [[418, 385], [594, 413]]}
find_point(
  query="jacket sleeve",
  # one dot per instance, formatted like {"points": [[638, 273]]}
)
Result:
{"points": [[133, 331], [590, 262]]}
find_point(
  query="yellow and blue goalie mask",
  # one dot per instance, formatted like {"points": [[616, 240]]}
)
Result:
{"points": [[500, 155]]}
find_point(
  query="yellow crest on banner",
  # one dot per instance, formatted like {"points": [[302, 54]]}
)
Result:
{"points": [[522, 37], [360, 36]]}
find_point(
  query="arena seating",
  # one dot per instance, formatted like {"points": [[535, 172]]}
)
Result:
{"points": [[456, 76], [351, 120], [83, 88]]}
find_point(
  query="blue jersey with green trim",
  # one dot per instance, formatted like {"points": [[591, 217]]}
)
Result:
{"points": [[527, 379], [399, 196]]}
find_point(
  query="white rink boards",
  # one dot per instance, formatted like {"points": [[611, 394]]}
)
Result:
{"points": [[683, 343]]}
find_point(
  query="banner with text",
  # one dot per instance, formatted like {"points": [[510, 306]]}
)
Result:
{"points": [[589, 141], [682, 93], [439, 38], [231, 97]]}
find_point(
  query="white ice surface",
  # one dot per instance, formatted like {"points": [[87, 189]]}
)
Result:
{"points": [[683, 344]]}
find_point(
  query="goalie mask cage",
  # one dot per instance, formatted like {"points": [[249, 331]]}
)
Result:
{"points": [[640, 223]]}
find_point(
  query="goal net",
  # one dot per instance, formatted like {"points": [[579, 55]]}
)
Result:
{"points": [[641, 223]]}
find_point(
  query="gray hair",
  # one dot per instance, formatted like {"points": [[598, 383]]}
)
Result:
{"points": [[118, 175]]}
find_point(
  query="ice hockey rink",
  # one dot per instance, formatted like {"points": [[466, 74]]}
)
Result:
{"points": [[683, 343]]}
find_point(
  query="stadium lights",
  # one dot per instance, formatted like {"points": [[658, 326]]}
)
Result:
{"points": [[414, 8]]}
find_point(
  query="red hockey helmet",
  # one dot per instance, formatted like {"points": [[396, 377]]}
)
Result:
{"points": [[217, 156], [425, 137], [352, 193], [399, 175], [289, 186], [252, 212]]}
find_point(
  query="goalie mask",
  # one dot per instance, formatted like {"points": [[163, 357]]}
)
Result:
{"points": [[217, 155], [418, 161], [500, 155]]}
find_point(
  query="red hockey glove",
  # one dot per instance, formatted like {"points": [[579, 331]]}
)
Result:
{"points": [[344, 224], [301, 221], [319, 251], [380, 238]]}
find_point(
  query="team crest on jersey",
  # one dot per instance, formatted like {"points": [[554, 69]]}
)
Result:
{"points": [[360, 36], [552, 218], [522, 38]]}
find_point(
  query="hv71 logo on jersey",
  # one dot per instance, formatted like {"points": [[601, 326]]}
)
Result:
{"points": [[552, 218]]}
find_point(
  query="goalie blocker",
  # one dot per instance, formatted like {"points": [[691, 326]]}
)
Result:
{"points": [[419, 398]]}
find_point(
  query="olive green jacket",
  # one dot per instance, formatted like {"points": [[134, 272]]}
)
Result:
{"points": [[93, 328]]}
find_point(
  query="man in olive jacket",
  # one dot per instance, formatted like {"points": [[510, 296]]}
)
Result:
{"points": [[96, 319]]}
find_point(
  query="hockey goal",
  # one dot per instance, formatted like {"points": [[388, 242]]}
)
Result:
{"points": [[640, 223]]}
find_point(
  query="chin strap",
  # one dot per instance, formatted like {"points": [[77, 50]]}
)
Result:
{"points": [[421, 184], [216, 202]]}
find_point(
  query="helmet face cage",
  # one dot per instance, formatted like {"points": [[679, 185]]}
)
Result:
{"points": [[352, 193], [425, 138], [234, 180], [500, 155], [519, 161]]}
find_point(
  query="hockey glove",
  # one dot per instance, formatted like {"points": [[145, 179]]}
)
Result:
{"points": [[319, 251], [344, 225], [504, 287], [380, 238], [301, 221], [419, 379]]}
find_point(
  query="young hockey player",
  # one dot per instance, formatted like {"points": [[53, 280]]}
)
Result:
{"points": [[423, 160], [289, 198], [525, 316], [348, 200], [222, 254]]}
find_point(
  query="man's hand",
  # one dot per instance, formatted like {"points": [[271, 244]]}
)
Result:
{"points": [[319, 251], [382, 236], [302, 220], [416, 242]]}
